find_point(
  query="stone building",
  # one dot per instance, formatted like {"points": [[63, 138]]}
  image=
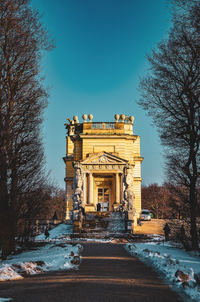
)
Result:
{"points": [[103, 166]]}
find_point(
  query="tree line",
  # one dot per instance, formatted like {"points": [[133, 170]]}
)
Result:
{"points": [[170, 94], [164, 202], [23, 98]]}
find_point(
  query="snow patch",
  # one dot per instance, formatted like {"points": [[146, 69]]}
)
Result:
{"points": [[8, 273], [51, 257], [177, 266], [62, 231], [30, 268]]}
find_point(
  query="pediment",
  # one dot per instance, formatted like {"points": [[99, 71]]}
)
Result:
{"points": [[104, 158]]}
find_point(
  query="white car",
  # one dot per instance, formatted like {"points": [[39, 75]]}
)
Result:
{"points": [[145, 215]]}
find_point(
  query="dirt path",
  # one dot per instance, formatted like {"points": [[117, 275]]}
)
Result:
{"points": [[107, 274]]}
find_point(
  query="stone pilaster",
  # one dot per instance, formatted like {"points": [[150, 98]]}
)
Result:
{"points": [[84, 189], [90, 188], [117, 186]]}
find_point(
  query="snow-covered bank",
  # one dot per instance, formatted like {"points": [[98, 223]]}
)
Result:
{"points": [[5, 299], [52, 256], [178, 267], [59, 232]]}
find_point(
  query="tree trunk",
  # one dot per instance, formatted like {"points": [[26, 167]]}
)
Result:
{"points": [[4, 201], [193, 209], [6, 214], [157, 210]]}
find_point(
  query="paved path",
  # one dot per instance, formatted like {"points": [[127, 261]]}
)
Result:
{"points": [[107, 274]]}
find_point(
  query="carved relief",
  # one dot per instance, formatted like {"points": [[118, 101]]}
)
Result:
{"points": [[103, 159], [103, 167]]}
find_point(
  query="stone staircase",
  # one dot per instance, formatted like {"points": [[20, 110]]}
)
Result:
{"points": [[99, 224]]}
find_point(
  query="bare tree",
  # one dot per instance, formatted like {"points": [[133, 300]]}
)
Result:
{"points": [[157, 199], [171, 95], [54, 203], [22, 101]]}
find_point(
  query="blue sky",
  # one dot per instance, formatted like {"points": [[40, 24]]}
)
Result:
{"points": [[99, 56]]}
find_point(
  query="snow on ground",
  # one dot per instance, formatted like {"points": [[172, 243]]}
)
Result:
{"points": [[59, 232], [5, 299], [8, 273], [63, 232], [52, 256], [178, 267], [93, 239]]}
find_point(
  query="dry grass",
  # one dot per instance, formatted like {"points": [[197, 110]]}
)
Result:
{"points": [[155, 226]]}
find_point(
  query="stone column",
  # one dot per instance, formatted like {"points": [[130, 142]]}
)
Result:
{"points": [[90, 188], [123, 185], [84, 189], [121, 188], [117, 198]]}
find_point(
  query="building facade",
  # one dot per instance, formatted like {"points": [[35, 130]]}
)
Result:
{"points": [[103, 165]]}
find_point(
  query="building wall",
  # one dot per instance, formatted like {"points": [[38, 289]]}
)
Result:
{"points": [[69, 201], [126, 148], [137, 192], [78, 150], [137, 169], [69, 169], [69, 146]]}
